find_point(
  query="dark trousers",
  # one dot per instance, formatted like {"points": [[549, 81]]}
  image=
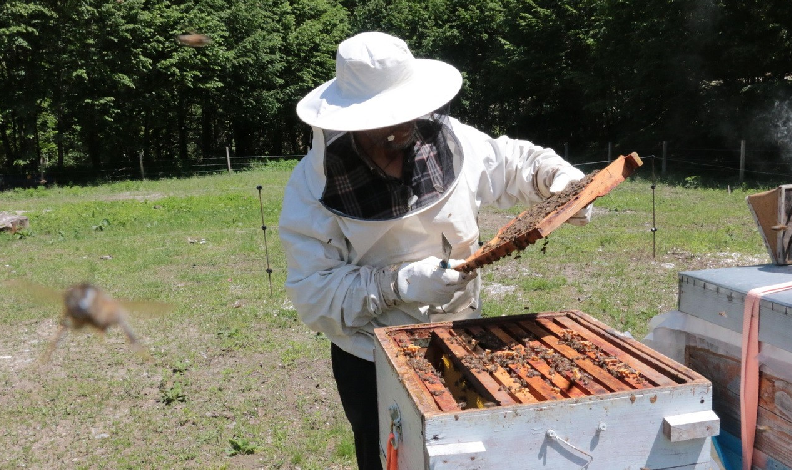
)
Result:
{"points": [[356, 380]]}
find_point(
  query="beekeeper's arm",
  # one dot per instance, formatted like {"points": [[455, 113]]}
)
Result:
{"points": [[514, 170]]}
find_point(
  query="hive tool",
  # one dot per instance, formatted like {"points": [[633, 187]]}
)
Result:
{"points": [[446, 252]]}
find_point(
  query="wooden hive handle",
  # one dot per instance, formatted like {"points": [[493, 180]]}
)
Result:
{"points": [[504, 244]]}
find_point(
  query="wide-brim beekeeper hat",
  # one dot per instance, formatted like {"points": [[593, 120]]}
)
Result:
{"points": [[378, 84]]}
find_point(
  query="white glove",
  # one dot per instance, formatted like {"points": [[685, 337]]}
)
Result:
{"points": [[463, 299], [425, 282], [562, 179]]}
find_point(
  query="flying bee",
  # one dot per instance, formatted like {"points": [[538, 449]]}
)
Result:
{"points": [[193, 40], [85, 304]]}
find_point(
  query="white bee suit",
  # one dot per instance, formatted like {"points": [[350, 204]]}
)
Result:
{"points": [[332, 258]]}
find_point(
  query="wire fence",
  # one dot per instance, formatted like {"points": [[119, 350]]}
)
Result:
{"points": [[151, 170], [713, 166], [709, 166]]}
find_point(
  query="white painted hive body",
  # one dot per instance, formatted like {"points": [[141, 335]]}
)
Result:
{"points": [[555, 390], [705, 333]]}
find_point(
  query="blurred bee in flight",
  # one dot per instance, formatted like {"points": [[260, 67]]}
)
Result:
{"points": [[193, 40], [87, 305]]}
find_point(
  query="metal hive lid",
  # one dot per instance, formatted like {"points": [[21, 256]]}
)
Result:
{"points": [[743, 279]]}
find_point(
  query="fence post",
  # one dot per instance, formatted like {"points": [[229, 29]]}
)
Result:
{"points": [[742, 160], [665, 153], [42, 164], [140, 161], [228, 159], [610, 151], [566, 151]]}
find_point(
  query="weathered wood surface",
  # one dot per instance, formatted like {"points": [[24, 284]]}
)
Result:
{"points": [[13, 222], [483, 382], [689, 426], [609, 382], [393, 390], [503, 376], [657, 378], [771, 211], [430, 395], [601, 184], [774, 419], [554, 422], [518, 436], [764, 209]]}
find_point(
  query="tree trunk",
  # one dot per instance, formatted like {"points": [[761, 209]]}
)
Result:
{"points": [[92, 142], [207, 135], [7, 147], [182, 123]]}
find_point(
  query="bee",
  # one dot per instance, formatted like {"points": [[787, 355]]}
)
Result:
{"points": [[193, 40], [84, 305]]}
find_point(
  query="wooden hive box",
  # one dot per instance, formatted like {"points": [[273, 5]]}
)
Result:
{"points": [[717, 296], [556, 390], [772, 212]]}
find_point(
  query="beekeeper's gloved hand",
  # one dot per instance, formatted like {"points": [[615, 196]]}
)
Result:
{"points": [[463, 299], [563, 177], [426, 283]]}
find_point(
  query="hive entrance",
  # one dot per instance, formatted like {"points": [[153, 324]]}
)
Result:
{"points": [[526, 359]]}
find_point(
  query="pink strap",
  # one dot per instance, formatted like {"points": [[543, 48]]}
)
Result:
{"points": [[749, 377]]}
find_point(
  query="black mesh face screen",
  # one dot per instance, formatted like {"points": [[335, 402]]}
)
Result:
{"points": [[357, 188]]}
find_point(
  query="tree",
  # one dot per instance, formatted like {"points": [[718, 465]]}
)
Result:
{"points": [[23, 91]]}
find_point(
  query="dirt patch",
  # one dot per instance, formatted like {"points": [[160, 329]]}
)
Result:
{"points": [[219, 390], [136, 197]]}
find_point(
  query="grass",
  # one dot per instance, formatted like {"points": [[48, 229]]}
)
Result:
{"points": [[617, 268], [236, 381]]}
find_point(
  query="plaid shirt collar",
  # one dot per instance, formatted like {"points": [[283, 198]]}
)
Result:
{"points": [[356, 187]]}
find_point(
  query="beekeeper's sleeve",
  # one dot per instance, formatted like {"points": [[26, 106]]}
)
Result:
{"points": [[330, 294], [508, 171]]}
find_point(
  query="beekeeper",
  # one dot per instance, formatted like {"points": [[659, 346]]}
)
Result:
{"points": [[388, 172]]}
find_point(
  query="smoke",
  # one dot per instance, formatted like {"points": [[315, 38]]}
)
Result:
{"points": [[781, 123]]}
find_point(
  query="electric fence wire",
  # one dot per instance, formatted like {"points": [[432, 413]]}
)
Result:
{"points": [[264, 229], [654, 213]]}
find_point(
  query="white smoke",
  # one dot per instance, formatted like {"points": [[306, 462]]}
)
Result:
{"points": [[782, 127]]}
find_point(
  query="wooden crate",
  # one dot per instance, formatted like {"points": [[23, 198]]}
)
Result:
{"points": [[772, 212], [717, 296], [556, 390]]}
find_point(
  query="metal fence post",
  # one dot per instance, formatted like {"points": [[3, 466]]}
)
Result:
{"points": [[742, 160]]}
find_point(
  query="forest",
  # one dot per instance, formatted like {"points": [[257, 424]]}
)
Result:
{"points": [[101, 88]]}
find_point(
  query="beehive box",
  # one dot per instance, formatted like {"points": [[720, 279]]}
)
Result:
{"points": [[709, 318], [557, 390], [718, 296]]}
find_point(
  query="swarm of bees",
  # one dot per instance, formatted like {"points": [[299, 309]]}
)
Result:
{"points": [[85, 304]]}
